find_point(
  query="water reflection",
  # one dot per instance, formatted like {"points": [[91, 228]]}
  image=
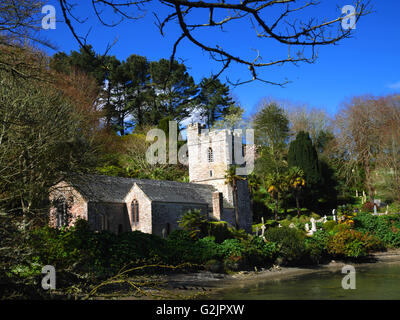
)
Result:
{"points": [[378, 281]]}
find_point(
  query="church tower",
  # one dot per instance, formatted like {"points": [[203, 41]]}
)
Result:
{"points": [[210, 155]]}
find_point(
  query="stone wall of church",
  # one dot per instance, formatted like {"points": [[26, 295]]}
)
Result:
{"points": [[167, 214], [77, 205], [145, 216], [116, 214], [200, 168], [213, 173], [229, 216], [244, 204]]}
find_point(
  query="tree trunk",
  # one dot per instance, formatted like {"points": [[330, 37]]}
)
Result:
{"points": [[276, 208], [235, 200], [370, 188], [298, 206]]}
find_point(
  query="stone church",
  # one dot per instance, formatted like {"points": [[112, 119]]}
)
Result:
{"points": [[124, 204]]}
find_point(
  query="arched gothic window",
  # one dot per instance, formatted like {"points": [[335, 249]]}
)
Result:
{"points": [[210, 155], [62, 211], [135, 212]]}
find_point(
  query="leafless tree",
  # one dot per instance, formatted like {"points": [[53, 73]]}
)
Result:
{"points": [[315, 121], [387, 174], [20, 23], [359, 126], [279, 20]]}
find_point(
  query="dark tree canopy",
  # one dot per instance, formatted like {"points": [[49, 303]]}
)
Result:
{"points": [[214, 100], [302, 154]]}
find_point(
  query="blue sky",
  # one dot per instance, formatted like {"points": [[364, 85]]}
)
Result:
{"points": [[367, 63]]}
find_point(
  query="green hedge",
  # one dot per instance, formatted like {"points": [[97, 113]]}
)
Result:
{"points": [[385, 228]]}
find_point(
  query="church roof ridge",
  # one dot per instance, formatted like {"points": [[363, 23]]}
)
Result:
{"points": [[102, 188]]}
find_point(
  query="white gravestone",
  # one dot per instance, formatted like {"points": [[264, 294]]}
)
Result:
{"points": [[334, 214], [263, 230], [313, 225]]}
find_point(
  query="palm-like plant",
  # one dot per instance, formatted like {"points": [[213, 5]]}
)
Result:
{"points": [[275, 186], [254, 182], [296, 182], [194, 222], [231, 178]]}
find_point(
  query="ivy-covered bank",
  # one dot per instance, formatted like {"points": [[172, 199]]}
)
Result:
{"points": [[83, 258]]}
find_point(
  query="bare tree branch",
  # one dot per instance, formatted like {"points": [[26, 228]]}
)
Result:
{"points": [[285, 28]]}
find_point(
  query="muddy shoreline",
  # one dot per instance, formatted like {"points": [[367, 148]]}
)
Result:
{"points": [[206, 284]]}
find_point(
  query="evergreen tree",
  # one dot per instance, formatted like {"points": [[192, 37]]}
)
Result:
{"points": [[271, 134], [302, 154], [138, 92], [214, 100], [173, 91], [85, 60]]}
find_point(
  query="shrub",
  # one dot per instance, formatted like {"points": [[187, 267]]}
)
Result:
{"points": [[183, 248], [290, 243], [386, 228], [329, 225], [233, 251], [232, 248], [352, 243], [316, 246], [340, 227], [219, 230], [271, 223], [315, 216], [260, 252], [194, 222], [368, 206], [285, 223], [210, 249]]}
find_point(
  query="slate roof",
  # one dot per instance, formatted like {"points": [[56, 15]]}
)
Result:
{"points": [[114, 189]]}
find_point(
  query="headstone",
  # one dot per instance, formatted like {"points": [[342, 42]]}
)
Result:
{"points": [[325, 219], [291, 225], [356, 193], [387, 209], [257, 231], [334, 214], [263, 230], [280, 226], [313, 225], [163, 232], [375, 209], [307, 226], [377, 202]]}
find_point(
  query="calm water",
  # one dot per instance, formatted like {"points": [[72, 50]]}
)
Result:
{"points": [[372, 282]]}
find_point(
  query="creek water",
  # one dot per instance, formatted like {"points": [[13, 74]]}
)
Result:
{"points": [[375, 281]]}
